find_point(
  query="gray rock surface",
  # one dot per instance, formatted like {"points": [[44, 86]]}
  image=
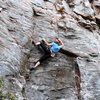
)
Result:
{"points": [[84, 9], [15, 32], [64, 77]]}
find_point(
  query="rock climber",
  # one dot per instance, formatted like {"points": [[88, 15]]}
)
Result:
{"points": [[48, 49]]}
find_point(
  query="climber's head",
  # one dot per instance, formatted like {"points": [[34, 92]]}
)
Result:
{"points": [[56, 40]]}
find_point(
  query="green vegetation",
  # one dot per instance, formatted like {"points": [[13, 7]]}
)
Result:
{"points": [[10, 96], [7, 95], [99, 25], [1, 82], [2, 96]]}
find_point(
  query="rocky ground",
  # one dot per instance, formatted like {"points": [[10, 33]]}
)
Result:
{"points": [[71, 75]]}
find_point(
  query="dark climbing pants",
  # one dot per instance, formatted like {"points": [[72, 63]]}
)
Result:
{"points": [[45, 51]]}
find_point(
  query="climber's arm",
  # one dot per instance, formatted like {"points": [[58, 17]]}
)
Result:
{"points": [[61, 43], [47, 42]]}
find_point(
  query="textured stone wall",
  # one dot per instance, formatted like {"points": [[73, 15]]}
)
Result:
{"points": [[72, 74], [15, 32]]}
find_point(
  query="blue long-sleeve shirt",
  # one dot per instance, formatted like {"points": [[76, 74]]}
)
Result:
{"points": [[55, 47]]}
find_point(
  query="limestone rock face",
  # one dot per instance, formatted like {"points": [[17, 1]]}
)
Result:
{"points": [[74, 73], [84, 8], [96, 6], [15, 31]]}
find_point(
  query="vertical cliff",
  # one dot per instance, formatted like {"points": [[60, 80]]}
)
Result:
{"points": [[74, 73]]}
